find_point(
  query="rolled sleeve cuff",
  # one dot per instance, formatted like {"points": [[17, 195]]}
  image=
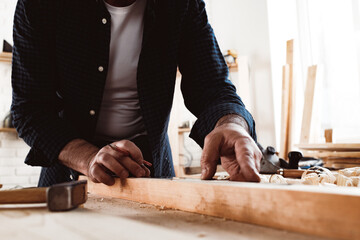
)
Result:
{"points": [[208, 119], [47, 155]]}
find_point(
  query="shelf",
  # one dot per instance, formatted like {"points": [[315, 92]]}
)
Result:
{"points": [[13, 130], [6, 57]]}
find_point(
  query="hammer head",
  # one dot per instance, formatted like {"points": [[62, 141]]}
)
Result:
{"points": [[66, 196]]}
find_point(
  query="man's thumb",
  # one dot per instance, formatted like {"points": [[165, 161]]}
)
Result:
{"points": [[210, 157]]}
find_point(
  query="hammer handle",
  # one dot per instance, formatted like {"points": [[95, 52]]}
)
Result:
{"points": [[25, 195]]}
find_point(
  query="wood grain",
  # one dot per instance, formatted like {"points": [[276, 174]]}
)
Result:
{"points": [[328, 212]]}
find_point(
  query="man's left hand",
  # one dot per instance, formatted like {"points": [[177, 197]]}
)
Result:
{"points": [[239, 154]]}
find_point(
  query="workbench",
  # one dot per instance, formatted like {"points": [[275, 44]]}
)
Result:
{"points": [[110, 218]]}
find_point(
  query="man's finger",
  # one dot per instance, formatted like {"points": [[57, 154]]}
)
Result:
{"points": [[133, 167], [138, 170], [147, 171], [258, 156], [100, 175], [246, 160], [210, 157], [132, 149], [113, 164]]}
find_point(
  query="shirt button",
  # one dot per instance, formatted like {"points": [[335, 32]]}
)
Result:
{"points": [[104, 21], [92, 112], [101, 68]]}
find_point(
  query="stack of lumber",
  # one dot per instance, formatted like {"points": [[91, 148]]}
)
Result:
{"points": [[334, 155]]}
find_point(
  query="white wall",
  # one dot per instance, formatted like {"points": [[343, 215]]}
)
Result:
{"points": [[282, 17], [243, 25], [13, 170], [325, 33]]}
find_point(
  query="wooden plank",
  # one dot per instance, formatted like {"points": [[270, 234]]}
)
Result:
{"points": [[330, 147], [183, 130], [8, 130], [328, 212], [308, 105], [287, 111], [328, 135], [6, 57], [285, 102], [290, 52], [291, 117]]}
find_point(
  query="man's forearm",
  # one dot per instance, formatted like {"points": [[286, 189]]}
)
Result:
{"points": [[77, 155], [233, 118]]}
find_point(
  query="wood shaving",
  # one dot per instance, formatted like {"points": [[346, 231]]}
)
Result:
{"points": [[350, 172], [323, 176], [355, 181], [276, 178], [311, 179], [264, 178], [326, 178], [222, 177], [349, 177], [344, 181], [293, 181]]}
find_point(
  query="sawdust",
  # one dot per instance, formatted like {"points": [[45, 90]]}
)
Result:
{"points": [[201, 235], [198, 225]]}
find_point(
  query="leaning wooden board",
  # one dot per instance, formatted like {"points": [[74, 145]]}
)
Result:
{"points": [[328, 212]]}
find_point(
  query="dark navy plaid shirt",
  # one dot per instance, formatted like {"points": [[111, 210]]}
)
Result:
{"points": [[59, 46]]}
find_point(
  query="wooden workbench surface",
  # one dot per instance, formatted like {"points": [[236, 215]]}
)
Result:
{"points": [[105, 218]]}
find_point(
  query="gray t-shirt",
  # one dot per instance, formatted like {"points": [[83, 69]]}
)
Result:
{"points": [[120, 116]]}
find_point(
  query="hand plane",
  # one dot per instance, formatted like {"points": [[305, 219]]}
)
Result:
{"points": [[272, 164]]}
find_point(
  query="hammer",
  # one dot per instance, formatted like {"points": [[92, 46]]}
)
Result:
{"points": [[59, 197]]}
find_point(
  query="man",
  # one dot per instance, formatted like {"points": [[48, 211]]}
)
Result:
{"points": [[93, 83]]}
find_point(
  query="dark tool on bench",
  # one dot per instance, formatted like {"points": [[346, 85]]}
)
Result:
{"points": [[272, 164], [59, 197]]}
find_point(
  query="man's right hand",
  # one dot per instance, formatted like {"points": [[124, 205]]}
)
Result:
{"points": [[101, 164], [108, 160]]}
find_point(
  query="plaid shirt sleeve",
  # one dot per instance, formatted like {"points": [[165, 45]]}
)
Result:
{"points": [[207, 92], [35, 104]]}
